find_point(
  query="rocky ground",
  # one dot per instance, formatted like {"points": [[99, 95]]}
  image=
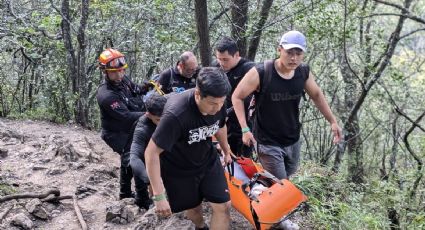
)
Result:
{"points": [[36, 157]]}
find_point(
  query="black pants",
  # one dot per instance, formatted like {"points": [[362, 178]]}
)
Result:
{"points": [[119, 142]]}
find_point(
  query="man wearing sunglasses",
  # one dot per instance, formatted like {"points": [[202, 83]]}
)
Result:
{"points": [[121, 104], [182, 76]]}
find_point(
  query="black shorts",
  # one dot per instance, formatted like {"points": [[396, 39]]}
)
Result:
{"points": [[188, 192]]}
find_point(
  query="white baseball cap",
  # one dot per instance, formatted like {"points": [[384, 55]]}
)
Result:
{"points": [[293, 39]]}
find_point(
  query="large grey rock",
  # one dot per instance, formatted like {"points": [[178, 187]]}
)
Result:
{"points": [[35, 207], [122, 212], [112, 211], [129, 213], [22, 221]]}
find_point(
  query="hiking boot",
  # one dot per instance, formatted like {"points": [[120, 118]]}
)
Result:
{"points": [[142, 197], [144, 203]]}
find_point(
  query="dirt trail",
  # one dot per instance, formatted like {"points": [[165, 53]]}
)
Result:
{"points": [[36, 156]]}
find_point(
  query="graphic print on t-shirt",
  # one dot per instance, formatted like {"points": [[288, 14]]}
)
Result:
{"points": [[202, 133]]}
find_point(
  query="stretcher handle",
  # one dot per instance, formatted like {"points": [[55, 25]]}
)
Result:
{"points": [[231, 168]]}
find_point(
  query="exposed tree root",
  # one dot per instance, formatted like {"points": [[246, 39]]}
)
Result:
{"points": [[55, 192], [79, 215]]}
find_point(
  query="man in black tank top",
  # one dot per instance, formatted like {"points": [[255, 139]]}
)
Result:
{"points": [[235, 67], [277, 125]]}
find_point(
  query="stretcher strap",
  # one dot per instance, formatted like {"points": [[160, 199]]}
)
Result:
{"points": [[254, 217]]}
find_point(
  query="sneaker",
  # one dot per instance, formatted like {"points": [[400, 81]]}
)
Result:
{"points": [[289, 225]]}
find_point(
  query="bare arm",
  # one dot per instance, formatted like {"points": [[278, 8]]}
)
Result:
{"points": [[153, 169], [249, 83], [246, 86], [316, 94]]}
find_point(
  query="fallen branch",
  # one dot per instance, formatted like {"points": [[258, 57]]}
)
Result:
{"points": [[79, 215], [55, 192], [3, 214], [56, 199]]}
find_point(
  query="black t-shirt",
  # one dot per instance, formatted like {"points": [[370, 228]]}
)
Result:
{"points": [[278, 115], [185, 135], [172, 81]]}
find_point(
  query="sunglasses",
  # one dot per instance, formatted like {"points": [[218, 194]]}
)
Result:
{"points": [[116, 64]]}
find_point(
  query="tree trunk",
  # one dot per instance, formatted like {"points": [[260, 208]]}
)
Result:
{"points": [[239, 20], [76, 63], [352, 129], [67, 40], [356, 168], [201, 15], [82, 106], [258, 29]]}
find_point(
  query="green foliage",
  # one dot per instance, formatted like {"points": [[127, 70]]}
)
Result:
{"points": [[41, 114], [336, 204], [6, 189]]}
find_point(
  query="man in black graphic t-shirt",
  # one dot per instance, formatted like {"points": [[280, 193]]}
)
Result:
{"points": [[181, 159], [277, 125], [235, 67], [182, 76]]}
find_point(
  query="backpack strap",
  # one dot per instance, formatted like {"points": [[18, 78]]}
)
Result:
{"points": [[259, 96], [267, 78], [170, 83], [305, 71]]}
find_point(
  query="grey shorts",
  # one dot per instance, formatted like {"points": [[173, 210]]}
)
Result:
{"points": [[281, 162]]}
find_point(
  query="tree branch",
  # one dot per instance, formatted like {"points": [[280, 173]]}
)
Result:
{"points": [[55, 192], [79, 215], [414, 123], [411, 32], [409, 16], [218, 16], [345, 48], [381, 64]]}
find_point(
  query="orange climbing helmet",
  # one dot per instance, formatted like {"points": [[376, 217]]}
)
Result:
{"points": [[112, 60]]}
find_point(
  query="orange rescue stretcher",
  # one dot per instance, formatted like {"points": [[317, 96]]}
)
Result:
{"points": [[268, 207]]}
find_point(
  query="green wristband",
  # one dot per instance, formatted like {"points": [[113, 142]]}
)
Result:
{"points": [[159, 197], [245, 130]]}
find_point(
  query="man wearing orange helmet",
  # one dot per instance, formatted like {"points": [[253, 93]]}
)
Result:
{"points": [[121, 104]]}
